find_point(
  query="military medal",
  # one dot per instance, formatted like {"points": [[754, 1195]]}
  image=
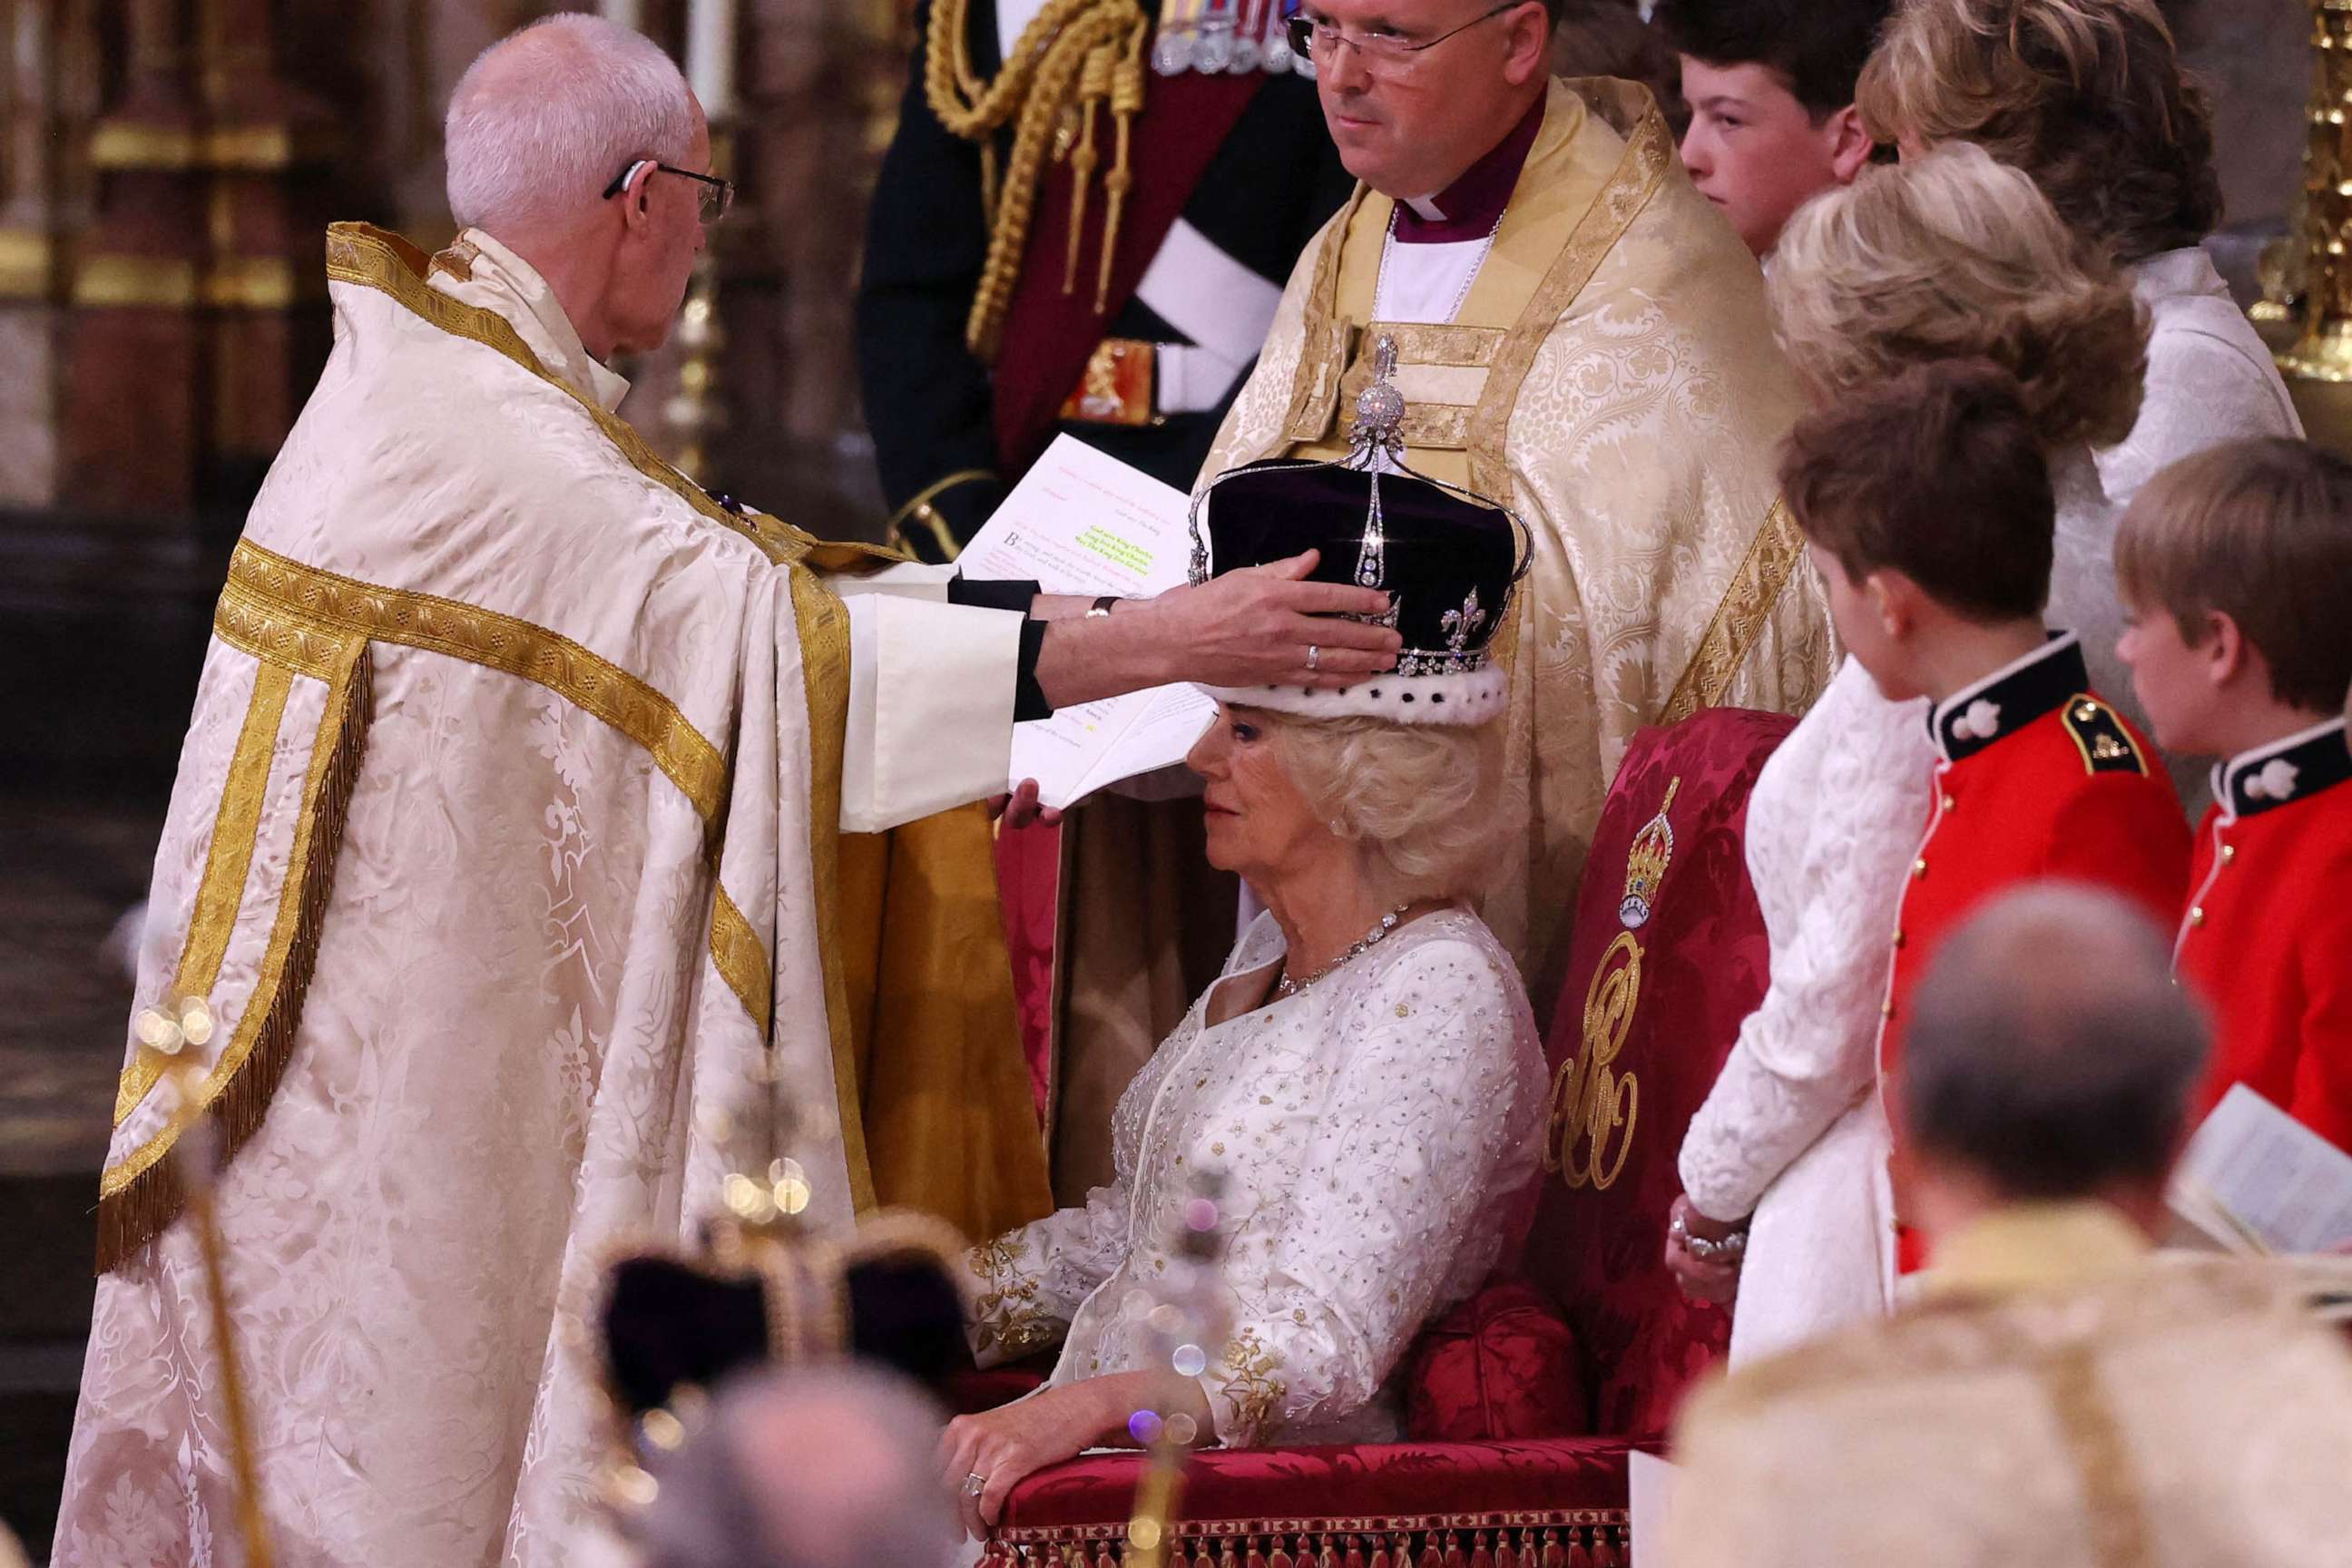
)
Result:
{"points": [[1212, 50], [1247, 48], [1172, 50], [1276, 53]]}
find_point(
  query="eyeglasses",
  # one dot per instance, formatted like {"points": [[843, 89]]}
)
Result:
{"points": [[1311, 38], [716, 194]]}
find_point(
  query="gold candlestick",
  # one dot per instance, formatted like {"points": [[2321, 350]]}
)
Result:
{"points": [[2318, 366], [695, 413], [2324, 351]]}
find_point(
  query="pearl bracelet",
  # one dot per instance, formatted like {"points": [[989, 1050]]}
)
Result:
{"points": [[1731, 1248]]}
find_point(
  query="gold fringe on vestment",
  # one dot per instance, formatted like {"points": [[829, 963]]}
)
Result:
{"points": [[135, 1209]]}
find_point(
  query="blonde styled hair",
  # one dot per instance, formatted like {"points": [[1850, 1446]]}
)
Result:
{"points": [[1952, 255], [2086, 96], [1419, 800]]}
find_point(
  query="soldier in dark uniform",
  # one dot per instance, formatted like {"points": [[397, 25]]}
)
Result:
{"points": [[971, 361]]}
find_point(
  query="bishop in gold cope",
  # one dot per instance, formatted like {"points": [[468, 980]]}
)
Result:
{"points": [[1581, 336]]}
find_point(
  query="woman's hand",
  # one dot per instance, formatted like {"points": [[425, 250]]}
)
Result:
{"points": [[1022, 808], [1001, 1448], [1715, 1279]]}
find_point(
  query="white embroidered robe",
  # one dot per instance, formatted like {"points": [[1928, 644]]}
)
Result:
{"points": [[1793, 1131], [1377, 1133], [502, 845]]}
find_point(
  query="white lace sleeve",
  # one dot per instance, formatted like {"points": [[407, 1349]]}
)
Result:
{"points": [[1403, 1194], [1807, 1052], [1027, 1283]]}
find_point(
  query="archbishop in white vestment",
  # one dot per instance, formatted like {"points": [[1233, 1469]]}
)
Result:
{"points": [[574, 747]]}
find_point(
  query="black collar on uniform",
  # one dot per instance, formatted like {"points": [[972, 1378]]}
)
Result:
{"points": [[2010, 698], [2295, 768]]}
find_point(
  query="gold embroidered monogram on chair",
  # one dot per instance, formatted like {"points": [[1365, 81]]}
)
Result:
{"points": [[1593, 1103]]}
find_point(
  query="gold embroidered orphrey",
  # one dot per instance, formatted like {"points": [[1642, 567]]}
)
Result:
{"points": [[297, 621], [1591, 1102]]}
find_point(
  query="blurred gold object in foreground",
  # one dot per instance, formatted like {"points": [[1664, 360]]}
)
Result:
{"points": [[196, 1154]]}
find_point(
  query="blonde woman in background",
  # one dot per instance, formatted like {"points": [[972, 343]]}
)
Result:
{"points": [[1950, 256], [2087, 97]]}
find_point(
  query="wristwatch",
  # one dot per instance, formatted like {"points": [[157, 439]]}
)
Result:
{"points": [[1102, 607]]}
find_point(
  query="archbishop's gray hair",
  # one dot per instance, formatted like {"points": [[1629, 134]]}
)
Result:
{"points": [[544, 118], [2049, 1052]]}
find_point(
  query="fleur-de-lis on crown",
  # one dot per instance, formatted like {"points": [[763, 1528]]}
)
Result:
{"points": [[1460, 626]]}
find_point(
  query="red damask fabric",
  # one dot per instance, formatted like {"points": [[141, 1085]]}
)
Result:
{"points": [[1028, 879], [1667, 957], [1502, 1364]]}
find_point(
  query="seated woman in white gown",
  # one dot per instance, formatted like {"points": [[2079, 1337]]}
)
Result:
{"points": [[1365, 1075]]}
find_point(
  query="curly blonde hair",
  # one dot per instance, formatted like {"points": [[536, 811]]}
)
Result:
{"points": [[2086, 96], [1419, 800], [1953, 255]]}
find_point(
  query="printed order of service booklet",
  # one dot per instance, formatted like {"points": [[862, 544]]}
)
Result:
{"points": [[2255, 1180], [1083, 523]]}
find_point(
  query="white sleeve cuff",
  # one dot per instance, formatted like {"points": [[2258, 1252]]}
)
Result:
{"points": [[902, 580], [930, 707]]}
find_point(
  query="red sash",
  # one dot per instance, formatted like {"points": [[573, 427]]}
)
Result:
{"points": [[1048, 336]]}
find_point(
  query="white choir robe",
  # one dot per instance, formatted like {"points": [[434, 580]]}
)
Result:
{"points": [[502, 845]]}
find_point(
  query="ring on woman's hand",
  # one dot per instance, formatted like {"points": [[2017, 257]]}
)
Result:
{"points": [[974, 1484], [1314, 658]]}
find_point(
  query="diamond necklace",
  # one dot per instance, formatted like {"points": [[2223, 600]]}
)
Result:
{"points": [[1287, 986], [1388, 248]]}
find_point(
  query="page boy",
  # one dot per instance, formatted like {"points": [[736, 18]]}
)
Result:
{"points": [[1770, 87], [1926, 507], [2236, 571]]}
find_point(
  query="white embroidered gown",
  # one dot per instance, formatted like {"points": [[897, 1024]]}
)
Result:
{"points": [[1378, 1135], [1793, 1130]]}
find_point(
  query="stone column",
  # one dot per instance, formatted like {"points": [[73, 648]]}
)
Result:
{"points": [[29, 234], [131, 411], [196, 294]]}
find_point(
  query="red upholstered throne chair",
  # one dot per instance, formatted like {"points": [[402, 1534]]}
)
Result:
{"points": [[1667, 954]]}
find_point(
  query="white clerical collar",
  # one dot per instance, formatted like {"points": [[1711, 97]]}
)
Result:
{"points": [[1425, 208], [512, 287]]}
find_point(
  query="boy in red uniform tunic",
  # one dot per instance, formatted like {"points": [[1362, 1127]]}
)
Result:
{"points": [[1927, 508], [2236, 571]]}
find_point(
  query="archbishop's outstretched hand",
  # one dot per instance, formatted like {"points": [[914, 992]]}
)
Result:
{"points": [[1257, 626]]}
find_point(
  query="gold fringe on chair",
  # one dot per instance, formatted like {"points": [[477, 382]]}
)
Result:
{"points": [[1547, 1538], [134, 1215]]}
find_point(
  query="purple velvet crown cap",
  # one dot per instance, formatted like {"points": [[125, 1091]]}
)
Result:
{"points": [[1447, 559]]}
